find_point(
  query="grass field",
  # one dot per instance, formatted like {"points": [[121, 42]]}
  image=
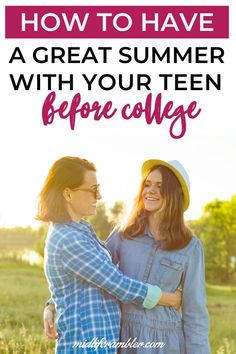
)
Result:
{"points": [[221, 301], [24, 290]]}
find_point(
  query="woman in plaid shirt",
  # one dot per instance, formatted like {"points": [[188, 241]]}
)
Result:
{"points": [[85, 285]]}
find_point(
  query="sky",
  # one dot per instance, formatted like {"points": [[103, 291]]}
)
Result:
{"points": [[116, 146]]}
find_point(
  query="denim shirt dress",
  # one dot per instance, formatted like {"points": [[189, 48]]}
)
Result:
{"points": [[182, 332]]}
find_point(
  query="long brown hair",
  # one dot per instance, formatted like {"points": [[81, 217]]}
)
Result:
{"points": [[67, 172], [171, 224]]}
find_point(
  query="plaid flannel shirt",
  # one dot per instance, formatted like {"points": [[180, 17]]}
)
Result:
{"points": [[85, 286]]}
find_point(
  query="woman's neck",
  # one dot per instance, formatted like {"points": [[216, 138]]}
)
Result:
{"points": [[72, 215], [153, 226]]}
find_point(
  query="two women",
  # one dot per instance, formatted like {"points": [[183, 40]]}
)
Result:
{"points": [[85, 285]]}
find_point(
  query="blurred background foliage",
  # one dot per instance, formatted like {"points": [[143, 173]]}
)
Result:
{"points": [[216, 228]]}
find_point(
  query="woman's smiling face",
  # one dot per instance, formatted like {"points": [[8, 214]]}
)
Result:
{"points": [[152, 199]]}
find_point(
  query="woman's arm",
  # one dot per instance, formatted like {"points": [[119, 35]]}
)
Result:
{"points": [[81, 257], [167, 299], [195, 314]]}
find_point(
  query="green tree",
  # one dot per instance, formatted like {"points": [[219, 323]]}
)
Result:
{"points": [[106, 219], [40, 235], [100, 221], [116, 212], [217, 230], [16, 238]]}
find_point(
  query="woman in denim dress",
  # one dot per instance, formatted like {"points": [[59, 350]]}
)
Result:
{"points": [[155, 246]]}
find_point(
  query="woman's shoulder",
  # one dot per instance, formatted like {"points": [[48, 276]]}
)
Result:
{"points": [[60, 230], [115, 235], [64, 232], [194, 245], [196, 242]]}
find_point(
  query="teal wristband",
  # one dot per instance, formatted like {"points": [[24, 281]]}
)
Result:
{"points": [[153, 296]]}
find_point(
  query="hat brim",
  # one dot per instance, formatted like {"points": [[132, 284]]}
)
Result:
{"points": [[149, 164]]}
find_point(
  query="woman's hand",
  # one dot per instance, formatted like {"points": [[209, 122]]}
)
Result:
{"points": [[48, 319], [171, 299], [178, 299]]}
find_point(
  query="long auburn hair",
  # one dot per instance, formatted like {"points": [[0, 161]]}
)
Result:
{"points": [[171, 226], [67, 172]]}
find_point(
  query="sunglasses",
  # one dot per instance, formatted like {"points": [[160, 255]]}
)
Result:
{"points": [[95, 191]]}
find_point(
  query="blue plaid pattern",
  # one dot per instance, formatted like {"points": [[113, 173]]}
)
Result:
{"points": [[85, 286]]}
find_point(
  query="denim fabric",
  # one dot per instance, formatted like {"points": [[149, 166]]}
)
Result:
{"points": [[143, 259], [84, 286]]}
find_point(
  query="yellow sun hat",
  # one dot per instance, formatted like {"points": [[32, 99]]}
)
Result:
{"points": [[177, 168]]}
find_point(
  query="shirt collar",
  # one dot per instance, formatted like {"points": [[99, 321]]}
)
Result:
{"points": [[83, 223], [79, 225], [147, 232]]}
